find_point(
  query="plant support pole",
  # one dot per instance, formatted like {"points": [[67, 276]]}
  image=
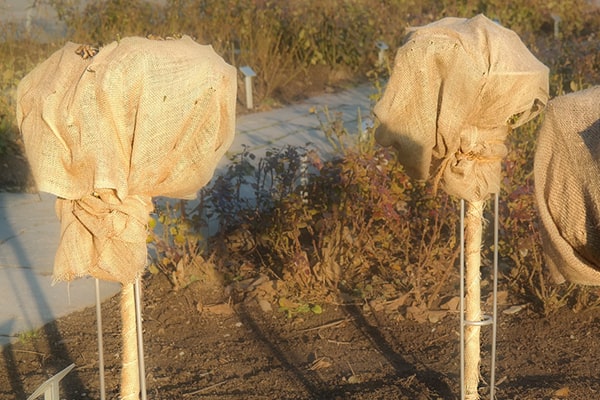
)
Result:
{"points": [[473, 234], [100, 341], [130, 374], [140, 336], [469, 387], [494, 302]]}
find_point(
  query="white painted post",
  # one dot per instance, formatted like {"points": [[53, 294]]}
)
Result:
{"points": [[383, 47], [557, 21], [50, 388], [248, 75]]}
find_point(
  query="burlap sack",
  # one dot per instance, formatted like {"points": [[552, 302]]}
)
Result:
{"points": [[141, 118], [457, 87], [567, 186]]}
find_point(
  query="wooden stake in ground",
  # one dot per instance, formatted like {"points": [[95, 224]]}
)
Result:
{"points": [[473, 234], [130, 374]]}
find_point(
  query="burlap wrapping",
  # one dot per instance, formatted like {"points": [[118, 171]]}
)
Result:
{"points": [[142, 118], [457, 88], [567, 186]]}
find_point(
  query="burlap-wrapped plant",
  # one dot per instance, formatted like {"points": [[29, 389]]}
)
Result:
{"points": [[108, 131], [457, 88], [567, 186]]}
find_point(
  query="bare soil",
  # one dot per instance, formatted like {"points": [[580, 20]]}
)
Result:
{"points": [[210, 341]]}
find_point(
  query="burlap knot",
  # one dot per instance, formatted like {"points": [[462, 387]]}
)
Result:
{"points": [[457, 88], [106, 133], [567, 186], [102, 236]]}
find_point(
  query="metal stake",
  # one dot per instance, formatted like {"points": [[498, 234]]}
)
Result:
{"points": [[140, 337], [494, 302], [100, 341]]}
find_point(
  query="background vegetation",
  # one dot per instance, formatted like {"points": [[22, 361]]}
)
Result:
{"points": [[377, 235]]}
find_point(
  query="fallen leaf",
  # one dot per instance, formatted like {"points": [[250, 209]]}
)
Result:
{"points": [[417, 313], [395, 304], [562, 392], [265, 306], [218, 309], [436, 316], [288, 304], [260, 281], [513, 309], [376, 304], [452, 304]]}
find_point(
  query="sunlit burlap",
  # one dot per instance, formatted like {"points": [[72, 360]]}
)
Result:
{"points": [[457, 87], [142, 118], [567, 186]]}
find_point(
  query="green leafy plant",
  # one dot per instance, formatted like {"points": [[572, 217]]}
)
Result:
{"points": [[291, 308], [27, 336]]}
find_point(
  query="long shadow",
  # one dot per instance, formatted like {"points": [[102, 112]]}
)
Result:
{"points": [[319, 389], [10, 362], [549, 383], [314, 389], [403, 367], [56, 345]]}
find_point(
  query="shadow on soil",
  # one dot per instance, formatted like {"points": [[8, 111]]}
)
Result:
{"points": [[318, 388]]}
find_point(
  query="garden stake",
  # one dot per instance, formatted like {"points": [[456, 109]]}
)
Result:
{"points": [[472, 297], [471, 318], [133, 378], [140, 337], [130, 374], [494, 302], [100, 342]]}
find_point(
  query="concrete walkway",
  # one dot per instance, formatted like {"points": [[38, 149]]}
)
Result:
{"points": [[29, 229]]}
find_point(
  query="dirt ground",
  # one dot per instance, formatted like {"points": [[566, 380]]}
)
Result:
{"points": [[199, 343], [217, 341]]}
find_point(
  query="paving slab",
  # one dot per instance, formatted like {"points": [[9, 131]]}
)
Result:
{"points": [[29, 235], [299, 124]]}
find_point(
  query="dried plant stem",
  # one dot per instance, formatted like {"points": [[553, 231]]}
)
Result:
{"points": [[327, 325], [473, 234], [130, 378]]}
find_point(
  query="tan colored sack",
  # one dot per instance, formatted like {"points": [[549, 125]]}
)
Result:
{"points": [[457, 87], [141, 118], [567, 186]]}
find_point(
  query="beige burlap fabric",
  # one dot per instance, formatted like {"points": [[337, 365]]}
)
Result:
{"points": [[141, 118], [457, 88], [567, 186]]}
